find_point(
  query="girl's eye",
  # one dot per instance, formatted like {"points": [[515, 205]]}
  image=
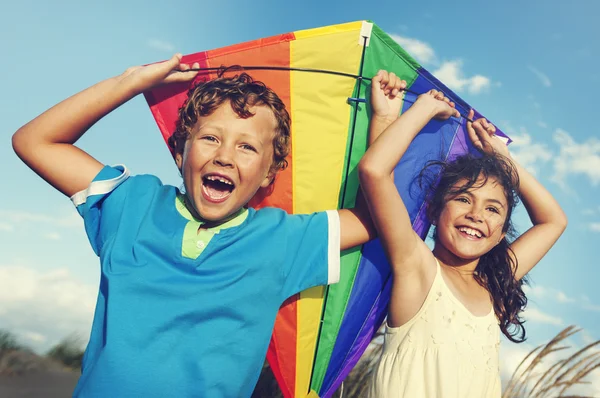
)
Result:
{"points": [[248, 147], [462, 199], [493, 210], [209, 138]]}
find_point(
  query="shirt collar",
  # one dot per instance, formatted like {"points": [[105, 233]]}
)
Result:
{"points": [[236, 219]]}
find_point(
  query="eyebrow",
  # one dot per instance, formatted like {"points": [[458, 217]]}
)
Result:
{"points": [[210, 126], [488, 200]]}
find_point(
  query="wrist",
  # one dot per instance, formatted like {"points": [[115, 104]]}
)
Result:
{"points": [[426, 105], [384, 119], [128, 82]]}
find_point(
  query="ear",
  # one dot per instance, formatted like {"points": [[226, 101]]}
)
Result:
{"points": [[501, 237], [268, 179]]}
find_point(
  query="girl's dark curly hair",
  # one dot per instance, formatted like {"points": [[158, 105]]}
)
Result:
{"points": [[496, 269], [243, 93]]}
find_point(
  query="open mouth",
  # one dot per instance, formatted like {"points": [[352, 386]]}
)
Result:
{"points": [[471, 233], [217, 188]]}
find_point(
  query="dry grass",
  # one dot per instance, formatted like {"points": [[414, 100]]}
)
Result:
{"points": [[535, 379]]}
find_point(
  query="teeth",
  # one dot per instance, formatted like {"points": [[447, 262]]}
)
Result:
{"points": [[470, 231], [220, 179]]}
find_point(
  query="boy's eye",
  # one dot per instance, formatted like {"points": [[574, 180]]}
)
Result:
{"points": [[462, 199], [248, 147], [493, 210], [208, 138]]}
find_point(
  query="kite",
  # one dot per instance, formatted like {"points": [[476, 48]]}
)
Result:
{"points": [[323, 77]]}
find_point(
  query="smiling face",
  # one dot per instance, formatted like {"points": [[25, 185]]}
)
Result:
{"points": [[471, 223], [226, 160]]}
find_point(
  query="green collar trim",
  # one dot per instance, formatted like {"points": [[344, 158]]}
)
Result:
{"points": [[238, 218], [195, 239]]}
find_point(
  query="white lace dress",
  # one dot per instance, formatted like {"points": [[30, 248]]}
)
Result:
{"points": [[444, 351]]}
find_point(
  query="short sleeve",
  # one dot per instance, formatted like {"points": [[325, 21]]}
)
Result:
{"points": [[91, 203], [313, 251]]}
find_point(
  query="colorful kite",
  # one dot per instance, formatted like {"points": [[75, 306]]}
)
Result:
{"points": [[322, 75]]}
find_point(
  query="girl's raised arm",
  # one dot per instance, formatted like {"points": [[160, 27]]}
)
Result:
{"points": [[412, 262], [549, 220]]}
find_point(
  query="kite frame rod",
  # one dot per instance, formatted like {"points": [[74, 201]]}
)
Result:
{"points": [[224, 69]]}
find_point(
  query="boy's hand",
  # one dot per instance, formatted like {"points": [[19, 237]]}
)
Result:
{"points": [[483, 136], [443, 108], [144, 78], [387, 91]]}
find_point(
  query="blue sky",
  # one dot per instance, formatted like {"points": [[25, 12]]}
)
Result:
{"points": [[530, 67]]}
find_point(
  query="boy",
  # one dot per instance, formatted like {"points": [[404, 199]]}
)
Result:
{"points": [[190, 283]]}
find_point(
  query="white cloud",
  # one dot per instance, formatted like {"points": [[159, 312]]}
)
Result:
{"points": [[42, 308], [588, 305], [33, 336], [576, 158], [450, 72], [533, 314], [587, 338], [595, 227], [72, 219], [562, 298], [160, 45], [542, 124], [6, 227], [591, 307], [540, 75], [535, 291], [420, 50], [546, 293], [528, 153], [52, 236]]}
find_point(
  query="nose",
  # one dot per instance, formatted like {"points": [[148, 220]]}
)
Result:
{"points": [[224, 156], [474, 215]]}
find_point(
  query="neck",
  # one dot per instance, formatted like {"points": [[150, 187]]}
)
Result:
{"points": [[449, 259], [207, 223]]}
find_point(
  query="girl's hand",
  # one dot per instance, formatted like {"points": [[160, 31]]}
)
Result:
{"points": [[144, 78], [443, 108], [387, 92], [483, 136]]}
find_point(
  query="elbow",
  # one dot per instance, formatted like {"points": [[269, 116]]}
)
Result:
{"points": [[562, 221], [558, 221], [19, 143], [369, 171]]}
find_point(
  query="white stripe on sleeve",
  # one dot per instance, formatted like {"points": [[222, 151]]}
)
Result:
{"points": [[333, 246], [100, 187]]}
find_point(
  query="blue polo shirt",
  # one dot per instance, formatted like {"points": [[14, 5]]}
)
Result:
{"points": [[184, 311]]}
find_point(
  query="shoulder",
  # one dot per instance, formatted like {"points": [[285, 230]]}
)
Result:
{"points": [[271, 215], [141, 190], [280, 222], [277, 215]]}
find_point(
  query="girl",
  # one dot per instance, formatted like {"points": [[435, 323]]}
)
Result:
{"points": [[442, 333]]}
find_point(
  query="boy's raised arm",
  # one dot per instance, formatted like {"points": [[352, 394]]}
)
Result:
{"points": [[45, 144], [356, 225]]}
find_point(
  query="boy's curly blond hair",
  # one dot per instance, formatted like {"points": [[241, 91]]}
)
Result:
{"points": [[242, 92]]}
